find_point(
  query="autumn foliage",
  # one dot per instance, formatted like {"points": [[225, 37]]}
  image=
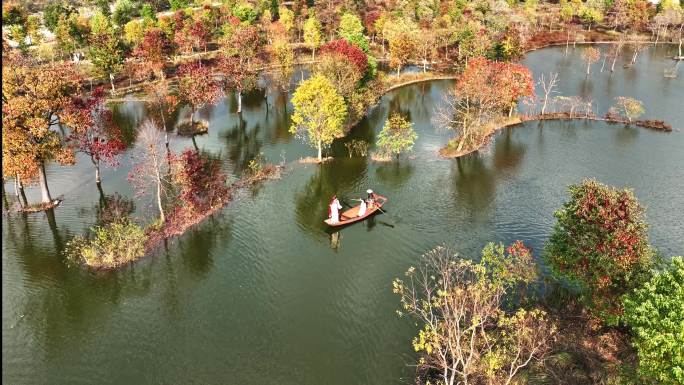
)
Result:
{"points": [[197, 86], [93, 131], [201, 181], [351, 52], [600, 243], [152, 52]]}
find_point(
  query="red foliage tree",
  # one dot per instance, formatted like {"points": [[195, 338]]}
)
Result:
{"points": [[197, 87], [201, 180], [516, 82], [600, 242], [245, 43], [237, 76], [369, 21], [495, 85], [93, 131], [353, 53], [152, 53]]}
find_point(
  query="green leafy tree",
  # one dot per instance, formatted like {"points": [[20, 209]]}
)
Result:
{"points": [[245, 12], [312, 34], [53, 12], [351, 30], [627, 107], [319, 112], [148, 14], [107, 53], [655, 312], [273, 9], [124, 11], [14, 14], [397, 136], [600, 244], [287, 19], [103, 6]]}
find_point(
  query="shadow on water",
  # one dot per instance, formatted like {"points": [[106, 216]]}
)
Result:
{"points": [[395, 173]]}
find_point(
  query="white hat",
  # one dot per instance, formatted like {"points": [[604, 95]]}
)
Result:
{"points": [[369, 191]]}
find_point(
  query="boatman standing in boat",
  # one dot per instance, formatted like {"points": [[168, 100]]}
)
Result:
{"points": [[334, 209]]}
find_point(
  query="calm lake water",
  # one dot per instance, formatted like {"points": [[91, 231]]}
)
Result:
{"points": [[262, 293]]}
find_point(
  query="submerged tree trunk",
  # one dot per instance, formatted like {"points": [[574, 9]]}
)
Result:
{"points": [[612, 67], [604, 62], [96, 163], [162, 217], [239, 95], [320, 151], [42, 180], [19, 191], [111, 81]]}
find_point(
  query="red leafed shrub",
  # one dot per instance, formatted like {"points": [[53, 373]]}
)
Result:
{"points": [[600, 243], [353, 53], [201, 181]]}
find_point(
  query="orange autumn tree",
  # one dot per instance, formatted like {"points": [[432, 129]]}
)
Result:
{"points": [[516, 82], [33, 99], [482, 92]]}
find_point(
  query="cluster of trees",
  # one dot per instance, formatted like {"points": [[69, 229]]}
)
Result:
{"points": [[485, 90], [481, 323], [118, 38], [185, 186]]}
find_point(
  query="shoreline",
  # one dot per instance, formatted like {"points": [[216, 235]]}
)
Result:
{"points": [[447, 153]]}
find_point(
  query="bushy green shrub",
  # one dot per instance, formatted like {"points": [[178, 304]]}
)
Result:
{"points": [[397, 136], [655, 312], [108, 246]]}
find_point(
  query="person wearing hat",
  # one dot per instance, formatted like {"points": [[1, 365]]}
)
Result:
{"points": [[370, 198]]}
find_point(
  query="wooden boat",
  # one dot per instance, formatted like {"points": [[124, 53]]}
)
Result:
{"points": [[351, 215]]}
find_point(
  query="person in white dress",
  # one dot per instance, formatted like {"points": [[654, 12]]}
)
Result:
{"points": [[362, 208], [334, 209]]}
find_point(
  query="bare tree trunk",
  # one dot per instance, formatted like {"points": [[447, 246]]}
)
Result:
{"points": [[604, 62], [612, 67], [42, 180], [96, 163], [19, 191], [320, 151], [111, 81], [159, 199], [239, 95]]}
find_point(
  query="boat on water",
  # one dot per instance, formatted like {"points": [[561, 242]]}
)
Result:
{"points": [[352, 215]]}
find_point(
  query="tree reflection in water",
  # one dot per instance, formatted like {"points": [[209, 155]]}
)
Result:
{"points": [[395, 173], [474, 181], [341, 177]]}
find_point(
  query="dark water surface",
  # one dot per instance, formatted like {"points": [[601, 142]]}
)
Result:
{"points": [[262, 294]]}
